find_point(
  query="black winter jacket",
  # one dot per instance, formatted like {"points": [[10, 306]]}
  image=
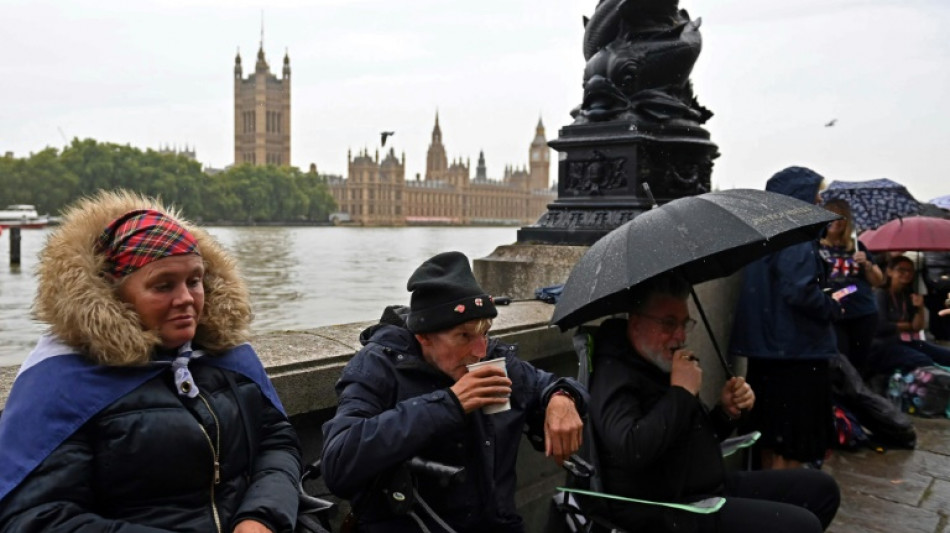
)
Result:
{"points": [[146, 464], [393, 405], [654, 441]]}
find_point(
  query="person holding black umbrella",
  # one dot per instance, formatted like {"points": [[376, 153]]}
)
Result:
{"points": [[656, 440], [783, 324]]}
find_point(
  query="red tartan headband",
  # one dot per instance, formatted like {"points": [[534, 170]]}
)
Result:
{"points": [[139, 237]]}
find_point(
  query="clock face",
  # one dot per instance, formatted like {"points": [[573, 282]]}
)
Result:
{"points": [[535, 155]]}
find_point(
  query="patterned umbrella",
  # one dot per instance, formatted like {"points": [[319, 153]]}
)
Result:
{"points": [[873, 202], [943, 202]]}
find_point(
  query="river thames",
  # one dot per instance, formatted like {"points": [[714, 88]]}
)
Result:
{"points": [[299, 277]]}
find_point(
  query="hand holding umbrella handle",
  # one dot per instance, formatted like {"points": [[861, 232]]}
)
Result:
{"points": [[743, 413], [737, 398]]}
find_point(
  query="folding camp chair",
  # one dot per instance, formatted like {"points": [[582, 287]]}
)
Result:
{"points": [[314, 512]]}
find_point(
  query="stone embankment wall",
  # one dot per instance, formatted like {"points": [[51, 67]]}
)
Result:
{"points": [[304, 365]]}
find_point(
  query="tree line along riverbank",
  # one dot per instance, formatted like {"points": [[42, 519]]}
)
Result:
{"points": [[240, 195]]}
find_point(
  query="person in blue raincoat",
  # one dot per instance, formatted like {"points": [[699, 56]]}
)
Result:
{"points": [[408, 393], [143, 410], [783, 324]]}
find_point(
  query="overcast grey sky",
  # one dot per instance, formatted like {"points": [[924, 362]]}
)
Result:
{"points": [[773, 71]]}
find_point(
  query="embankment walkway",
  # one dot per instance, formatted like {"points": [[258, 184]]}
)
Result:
{"points": [[898, 491]]}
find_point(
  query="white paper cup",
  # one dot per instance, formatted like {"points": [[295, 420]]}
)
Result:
{"points": [[493, 408]]}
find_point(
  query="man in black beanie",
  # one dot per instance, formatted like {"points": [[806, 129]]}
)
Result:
{"points": [[408, 393]]}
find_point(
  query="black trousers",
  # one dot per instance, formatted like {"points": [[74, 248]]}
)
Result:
{"points": [[766, 501], [792, 407], [775, 501], [854, 338]]}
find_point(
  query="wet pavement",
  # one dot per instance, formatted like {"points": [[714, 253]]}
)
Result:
{"points": [[898, 491]]}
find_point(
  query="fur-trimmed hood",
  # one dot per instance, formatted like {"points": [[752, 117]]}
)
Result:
{"points": [[80, 305]]}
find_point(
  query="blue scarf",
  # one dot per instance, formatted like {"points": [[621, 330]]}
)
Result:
{"points": [[57, 391]]}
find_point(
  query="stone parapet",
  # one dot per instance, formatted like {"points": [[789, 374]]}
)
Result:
{"points": [[516, 270]]}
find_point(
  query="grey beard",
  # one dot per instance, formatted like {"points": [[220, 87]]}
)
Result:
{"points": [[659, 361]]}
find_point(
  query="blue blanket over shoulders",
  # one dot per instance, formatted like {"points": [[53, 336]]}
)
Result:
{"points": [[57, 391]]}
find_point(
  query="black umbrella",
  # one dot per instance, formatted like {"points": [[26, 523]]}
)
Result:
{"points": [[698, 237]]}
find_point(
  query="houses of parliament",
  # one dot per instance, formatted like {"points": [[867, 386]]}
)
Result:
{"points": [[375, 191]]}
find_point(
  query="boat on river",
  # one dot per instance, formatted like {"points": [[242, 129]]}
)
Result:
{"points": [[23, 216]]}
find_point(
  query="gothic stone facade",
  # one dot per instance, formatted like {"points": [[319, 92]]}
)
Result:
{"points": [[261, 114], [376, 193]]}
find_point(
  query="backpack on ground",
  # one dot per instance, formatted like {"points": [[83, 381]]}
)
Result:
{"points": [[883, 420], [928, 394], [850, 434]]}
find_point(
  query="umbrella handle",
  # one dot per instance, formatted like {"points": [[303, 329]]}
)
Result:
{"points": [[712, 337]]}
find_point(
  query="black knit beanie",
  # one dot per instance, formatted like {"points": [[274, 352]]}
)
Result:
{"points": [[445, 294]]}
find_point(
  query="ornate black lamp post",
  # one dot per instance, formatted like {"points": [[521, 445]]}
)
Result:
{"points": [[639, 123]]}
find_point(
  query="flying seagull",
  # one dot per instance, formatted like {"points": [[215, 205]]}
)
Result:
{"points": [[385, 134], [831, 123]]}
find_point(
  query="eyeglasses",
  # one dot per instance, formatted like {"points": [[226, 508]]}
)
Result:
{"points": [[670, 325]]}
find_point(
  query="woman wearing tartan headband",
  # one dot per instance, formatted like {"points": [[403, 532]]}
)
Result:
{"points": [[146, 366], [139, 237], [143, 245]]}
